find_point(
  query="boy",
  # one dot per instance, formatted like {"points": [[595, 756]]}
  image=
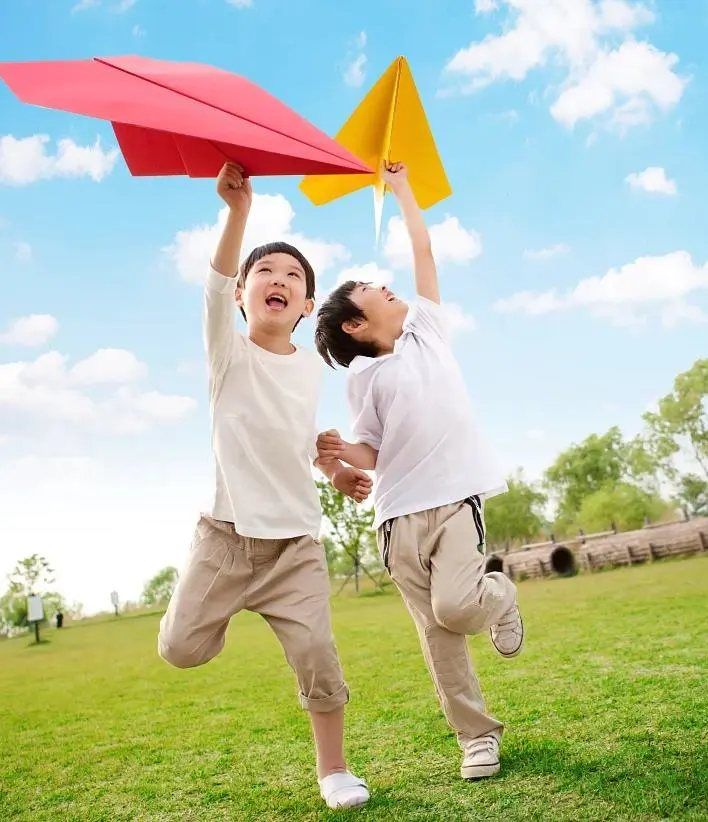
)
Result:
{"points": [[258, 549], [413, 425]]}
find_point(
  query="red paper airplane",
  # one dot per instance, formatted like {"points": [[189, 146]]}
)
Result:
{"points": [[183, 118]]}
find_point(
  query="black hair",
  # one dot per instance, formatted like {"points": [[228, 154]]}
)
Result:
{"points": [[278, 247], [332, 342]]}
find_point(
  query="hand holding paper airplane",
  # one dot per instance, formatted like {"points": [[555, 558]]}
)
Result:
{"points": [[389, 125]]}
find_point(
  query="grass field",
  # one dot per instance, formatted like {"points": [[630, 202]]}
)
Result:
{"points": [[606, 715]]}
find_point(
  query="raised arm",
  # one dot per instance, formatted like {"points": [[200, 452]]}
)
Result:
{"points": [[220, 285], [426, 275]]}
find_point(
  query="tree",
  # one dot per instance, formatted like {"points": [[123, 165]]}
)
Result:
{"points": [[159, 589], [516, 516], [351, 546], [681, 422], [584, 468], [622, 504], [31, 575], [692, 495]]}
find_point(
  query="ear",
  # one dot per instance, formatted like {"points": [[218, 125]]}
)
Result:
{"points": [[354, 327], [238, 296], [309, 307]]}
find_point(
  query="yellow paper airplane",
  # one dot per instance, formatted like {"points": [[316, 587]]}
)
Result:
{"points": [[389, 125]]}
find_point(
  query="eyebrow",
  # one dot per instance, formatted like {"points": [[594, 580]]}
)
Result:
{"points": [[263, 263]]}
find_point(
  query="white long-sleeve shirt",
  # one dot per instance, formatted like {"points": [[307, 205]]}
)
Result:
{"points": [[412, 406], [263, 407]]}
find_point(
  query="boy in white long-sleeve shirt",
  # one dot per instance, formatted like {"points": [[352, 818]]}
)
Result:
{"points": [[258, 549], [414, 426]]}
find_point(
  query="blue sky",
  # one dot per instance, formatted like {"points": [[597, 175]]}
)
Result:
{"points": [[573, 251]]}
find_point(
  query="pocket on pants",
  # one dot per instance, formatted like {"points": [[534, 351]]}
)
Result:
{"points": [[477, 506], [208, 541], [385, 546]]}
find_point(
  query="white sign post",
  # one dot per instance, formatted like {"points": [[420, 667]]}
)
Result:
{"points": [[114, 601], [35, 613]]}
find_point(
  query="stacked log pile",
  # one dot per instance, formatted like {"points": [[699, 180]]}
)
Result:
{"points": [[608, 548]]}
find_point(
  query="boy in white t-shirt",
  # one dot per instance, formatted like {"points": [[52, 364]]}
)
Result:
{"points": [[258, 549], [414, 426]]}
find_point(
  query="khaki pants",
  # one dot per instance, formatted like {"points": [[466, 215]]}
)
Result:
{"points": [[284, 580], [436, 560]]}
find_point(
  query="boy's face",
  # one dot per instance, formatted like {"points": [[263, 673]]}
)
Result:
{"points": [[275, 293], [384, 313]]}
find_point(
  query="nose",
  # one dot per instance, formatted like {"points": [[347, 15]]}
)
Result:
{"points": [[278, 280]]}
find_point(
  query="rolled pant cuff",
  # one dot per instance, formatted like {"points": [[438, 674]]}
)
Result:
{"points": [[326, 704]]}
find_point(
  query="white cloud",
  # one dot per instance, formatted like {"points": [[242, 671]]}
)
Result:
{"points": [[138, 32], [485, 6], [451, 243], [32, 330], [546, 253], [653, 180], [124, 5], [84, 5], [627, 295], [270, 219], [626, 83], [680, 312], [26, 160], [354, 73], [23, 252], [367, 273], [240, 4], [46, 391], [630, 81], [108, 365], [458, 321]]}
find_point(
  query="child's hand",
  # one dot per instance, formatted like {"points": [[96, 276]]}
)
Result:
{"points": [[353, 482], [330, 446], [395, 175], [234, 189]]}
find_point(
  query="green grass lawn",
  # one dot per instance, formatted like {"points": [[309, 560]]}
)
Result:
{"points": [[606, 713]]}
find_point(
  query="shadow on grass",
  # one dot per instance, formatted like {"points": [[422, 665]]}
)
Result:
{"points": [[34, 644], [637, 777]]}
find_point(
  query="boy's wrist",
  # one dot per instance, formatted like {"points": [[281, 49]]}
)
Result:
{"points": [[237, 214], [402, 190]]}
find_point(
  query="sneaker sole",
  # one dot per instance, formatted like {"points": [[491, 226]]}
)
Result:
{"points": [[515, 652], [472, 772]]}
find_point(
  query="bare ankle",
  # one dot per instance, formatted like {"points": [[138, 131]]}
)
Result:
{"points": [[325, 770]]}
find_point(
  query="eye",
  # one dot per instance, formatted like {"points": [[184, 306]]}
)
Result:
{"points": [[295, 274]]}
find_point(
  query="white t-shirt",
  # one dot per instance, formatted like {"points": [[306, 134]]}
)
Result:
{"points": [[263, 408], [412, 406]]}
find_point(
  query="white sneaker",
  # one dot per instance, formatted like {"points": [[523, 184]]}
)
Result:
{"points": [[508, 634], [343, 790], [481, 758]]}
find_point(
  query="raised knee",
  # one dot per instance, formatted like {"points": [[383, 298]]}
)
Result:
{"points": [[178, 654], [459, 617]]}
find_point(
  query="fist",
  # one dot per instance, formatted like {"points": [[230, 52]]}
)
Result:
{"points": [[234, 189], [395, 175], [330, 446], [353, 482]]}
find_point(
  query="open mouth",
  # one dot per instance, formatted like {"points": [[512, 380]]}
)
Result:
{"points": [[276, 302]]}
